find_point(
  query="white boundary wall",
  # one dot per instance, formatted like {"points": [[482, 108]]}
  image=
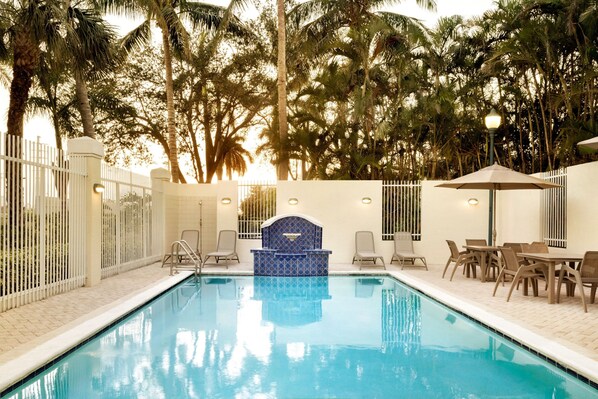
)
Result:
{"points": [[445, 214]]}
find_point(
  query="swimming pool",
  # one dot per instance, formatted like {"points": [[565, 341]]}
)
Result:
{"points": [[313, 337]]}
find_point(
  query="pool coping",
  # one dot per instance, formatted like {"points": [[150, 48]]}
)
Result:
{"points": [[38, 358], [41, 356]]}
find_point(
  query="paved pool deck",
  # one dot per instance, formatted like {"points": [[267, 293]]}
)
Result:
{"points": [[28, 327]]}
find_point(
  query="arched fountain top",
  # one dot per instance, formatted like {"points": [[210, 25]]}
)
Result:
{"points": [[273, 219]]}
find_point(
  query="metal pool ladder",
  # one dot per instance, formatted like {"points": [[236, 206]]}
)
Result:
{"points": [[184, 258]]}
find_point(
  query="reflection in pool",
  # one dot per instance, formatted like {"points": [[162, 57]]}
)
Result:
{"points": [[309, 337]]}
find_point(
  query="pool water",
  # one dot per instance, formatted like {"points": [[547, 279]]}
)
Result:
{"points": [[307, 337]]}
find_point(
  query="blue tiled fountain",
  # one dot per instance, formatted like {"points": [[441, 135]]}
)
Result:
{"points": [[291, 246]]}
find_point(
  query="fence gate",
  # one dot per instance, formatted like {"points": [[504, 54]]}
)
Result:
{"points": [[554, 210], [401, 208], [257, 203]]}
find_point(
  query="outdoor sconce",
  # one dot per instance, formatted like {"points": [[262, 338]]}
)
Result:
{"points": [[226, 201], [366, 200], [98, 188], [473, 201], [293, 201]]}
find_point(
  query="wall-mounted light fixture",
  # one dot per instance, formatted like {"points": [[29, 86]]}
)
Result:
{"points": [[98, 188], [293, 201], [225, 200], [366, 200], [473, 201]]}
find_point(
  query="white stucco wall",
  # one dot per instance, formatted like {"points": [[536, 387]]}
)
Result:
{"points": [[582, 207], [338, 206], [446, 215]]}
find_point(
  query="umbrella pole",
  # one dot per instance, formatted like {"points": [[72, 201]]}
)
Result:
{"points": [[494, 215], [491, 217]]}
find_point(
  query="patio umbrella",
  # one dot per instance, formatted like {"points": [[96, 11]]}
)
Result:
{"points": [[590, 143], [494, 178]]}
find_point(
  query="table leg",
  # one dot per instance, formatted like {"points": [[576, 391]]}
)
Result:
{"points": [[483, 266], [551, 284]]}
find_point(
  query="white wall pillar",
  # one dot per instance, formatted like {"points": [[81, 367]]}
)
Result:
{"points": [[90, 152], [159, 177]]}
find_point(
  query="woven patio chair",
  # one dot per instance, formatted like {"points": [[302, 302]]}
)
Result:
{"points": [[464, 258], [512, 267], [404, 250], [226, 248], [587, 275], [365, 250]]}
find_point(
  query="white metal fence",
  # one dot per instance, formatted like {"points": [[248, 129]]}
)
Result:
{"points": [[401, 208], [554, 210], [42, 222], [257, 203], [126, 220]]}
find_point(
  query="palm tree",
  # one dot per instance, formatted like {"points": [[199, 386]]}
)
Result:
{"points": [[361, 41], [28, 28], [170, 17], [283, 163], [90, 53]]}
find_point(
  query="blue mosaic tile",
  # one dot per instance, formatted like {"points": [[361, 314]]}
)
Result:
{"points": [[281, 257]]}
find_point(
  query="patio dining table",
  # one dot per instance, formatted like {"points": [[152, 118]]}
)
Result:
{"points": [[483, 253], [551, 260]]}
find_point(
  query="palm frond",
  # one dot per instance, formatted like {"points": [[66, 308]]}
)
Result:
{"points": [[137, 37]]}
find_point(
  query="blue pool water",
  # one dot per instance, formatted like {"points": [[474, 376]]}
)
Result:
{"points": [[310, 337]]}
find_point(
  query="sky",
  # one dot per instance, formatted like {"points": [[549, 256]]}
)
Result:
{"points": [[39, 126]]}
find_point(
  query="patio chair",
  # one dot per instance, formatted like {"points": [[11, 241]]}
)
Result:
{"points": [[404, 250], [226, 248], [191, 237], [464, 258], [364, 249], [541, 248], [511, 267], [476, 241], [586, 275], [493, 262]]}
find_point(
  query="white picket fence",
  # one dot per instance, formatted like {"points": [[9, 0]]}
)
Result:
{"points": [[42, 222], [126, 220]]}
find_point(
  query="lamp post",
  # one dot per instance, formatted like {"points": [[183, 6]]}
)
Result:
{"points": [[492, 121]]}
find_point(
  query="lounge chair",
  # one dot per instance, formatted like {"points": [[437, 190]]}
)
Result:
{"points": [[464, 258], [512, 267], [191, 237], [404, 250], [364, 249], [226, 248], [586, 275]]}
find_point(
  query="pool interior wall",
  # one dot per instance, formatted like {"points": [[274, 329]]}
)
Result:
{"points": [[573, 363]]}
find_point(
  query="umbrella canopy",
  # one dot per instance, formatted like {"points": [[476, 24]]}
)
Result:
{"points": [[590, 143], [494, 178], [497, 177]]}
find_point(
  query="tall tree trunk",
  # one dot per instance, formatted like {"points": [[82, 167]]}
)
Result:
{"points": [[26, 59], [172, 144], [83, 106], [283, 162]]}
